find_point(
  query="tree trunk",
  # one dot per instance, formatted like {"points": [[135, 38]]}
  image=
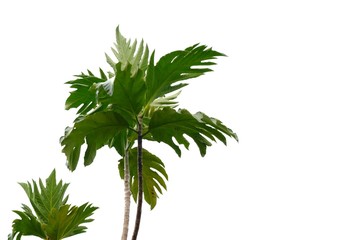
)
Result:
{"points": [[140, 180], [127, 196]]}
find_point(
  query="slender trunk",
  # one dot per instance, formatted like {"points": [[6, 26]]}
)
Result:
{"points": [[140, 181], [127, 196]]}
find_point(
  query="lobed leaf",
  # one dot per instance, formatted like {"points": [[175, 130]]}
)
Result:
{"points": [[95, 130], [128, 92], [27, 225], [167, 125], [164, 77], [68, 220], [45, 197], [85, 95], [53, 218], [128, 53], [154, 175]]}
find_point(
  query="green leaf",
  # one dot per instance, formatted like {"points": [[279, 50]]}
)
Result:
{"points": [[120, 142], [161, 102], [128, 53], [53, 218], [128, 95], [27, 225], [175, 67], [68, 220], [215, 126], [85, 93], [167, 125], [45, 197], [95, 130], [154, 175]]}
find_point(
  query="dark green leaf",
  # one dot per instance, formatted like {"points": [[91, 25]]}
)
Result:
{"points": [[97, 130], [128, 91], [154, 175], [175, 67], [85, 93], [122, 141], [168, 125], [215, 126], [27, 225]]}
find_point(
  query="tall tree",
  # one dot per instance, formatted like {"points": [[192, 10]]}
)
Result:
{"points": [[136, 101]]}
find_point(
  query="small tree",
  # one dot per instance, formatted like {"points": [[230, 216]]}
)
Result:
{"points": [[53, 218], [136, 101]]}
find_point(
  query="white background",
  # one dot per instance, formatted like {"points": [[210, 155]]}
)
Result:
{"points": [[289, 88]]}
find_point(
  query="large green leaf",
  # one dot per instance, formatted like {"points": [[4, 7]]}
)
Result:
{"points": [[177, 66], [96, 130], [67, 221], [128, 92], [154, 175], [168, 124]]}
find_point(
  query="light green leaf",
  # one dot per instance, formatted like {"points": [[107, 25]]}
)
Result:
{"points": [[154, 175], [128, 53], [43, 199]]}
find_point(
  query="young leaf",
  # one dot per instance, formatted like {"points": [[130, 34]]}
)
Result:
{"points": [[53, 218], [44, 198], [128, 53]]}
